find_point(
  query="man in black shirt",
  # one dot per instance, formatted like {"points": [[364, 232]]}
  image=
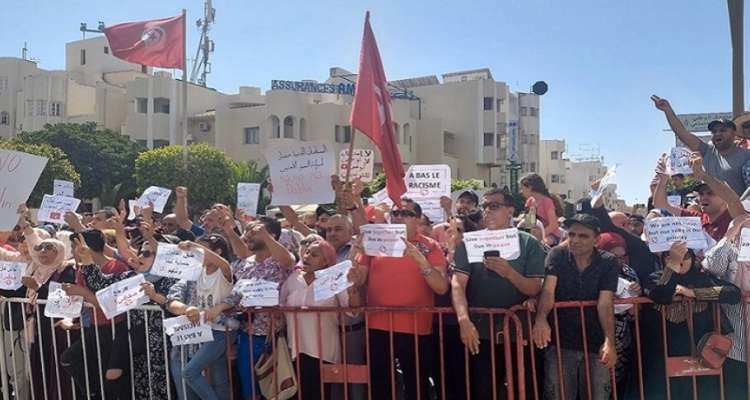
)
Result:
{"points": [[578, 272]]}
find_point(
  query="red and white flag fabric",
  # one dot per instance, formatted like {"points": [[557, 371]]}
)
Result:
{"points": [[371, 112], [156, 43]]}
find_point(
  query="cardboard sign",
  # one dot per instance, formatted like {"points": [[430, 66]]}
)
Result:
{"points": [[301, 174], [63, 188], [744, 253], [11, 274], [122, 296], [19, 173], [505, 241], [247, 197], [181, 331], [383, 239], [675, 201], [363, 164], [678, 161], [428, 181], [331, 281], [662, 232], [257, 292], [60, 305], [156, 196], [607, 180], [171, 262], [53, 208]]}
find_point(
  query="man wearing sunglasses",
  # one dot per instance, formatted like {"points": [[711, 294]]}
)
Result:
{"points": [[495, 283]]}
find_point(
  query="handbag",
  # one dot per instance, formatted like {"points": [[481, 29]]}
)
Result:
{"points": [[713, 349], [274, 370]]}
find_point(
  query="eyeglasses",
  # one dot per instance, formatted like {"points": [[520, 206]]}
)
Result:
{"points": [[44, 247], [494, 206], [403, 213]]}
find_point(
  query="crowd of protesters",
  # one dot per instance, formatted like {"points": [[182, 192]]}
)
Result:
{"points": [[607, 348]]}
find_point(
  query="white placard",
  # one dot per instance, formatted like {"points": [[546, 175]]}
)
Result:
{"points": [[60, 305], [122, 296], [19, 173], [744, 254], [301, 173], [132, 204], [156, 196], [678, 161], [172, 262], [257, 292], [623, 292], [181, 331], [431, 208], [675, 201], [363, 164], [663, 231], [53, 208], [11, 274], [506, 241], [63, 188], [607, 180], [247, 197], [428, 181], [381, 197], [383, 240], [331, 281]]}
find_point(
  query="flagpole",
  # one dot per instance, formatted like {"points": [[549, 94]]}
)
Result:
{"points": [[184, 90]]}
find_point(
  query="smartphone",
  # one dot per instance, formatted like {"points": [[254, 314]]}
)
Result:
{"points": [[491, 253]]}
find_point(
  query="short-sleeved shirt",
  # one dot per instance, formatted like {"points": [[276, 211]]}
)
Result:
{"points": [[716, 228], [728, 167], [487, 289], [543, 207], [270, 270], [398, 282], [111, 267], [575, 285]]}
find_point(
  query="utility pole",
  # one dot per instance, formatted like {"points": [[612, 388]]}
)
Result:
{"points": [[736, 25]]}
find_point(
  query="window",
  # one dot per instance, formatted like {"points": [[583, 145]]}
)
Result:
{"points": [[407, 138], [532, 139], [83, 56], [343, 134], [532, 167], [562, 178], [141, 105], [161, 105], [29, 108], [41, 107], [524, 139], [499, 104], [3, 83], [533, 111], [489, 139], [488, 102], [4, 118], [524, 111], [396, 134], [144, 69], [275, 127], [106, 50], [252, 135], [302, 127], [54, 109], [554, 155], [555, 178], [289, 127]]}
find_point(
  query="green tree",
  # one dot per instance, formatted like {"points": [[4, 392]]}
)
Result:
{"points": [[58, 167], [209, 175], [250, 172], [105, 159]]}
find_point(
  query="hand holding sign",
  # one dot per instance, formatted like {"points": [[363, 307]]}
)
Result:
{"points": [[678, 161], [696, 161], [53, 208], [183, 261], [677, 253], [662, 232], [331, 281], [383, 239]]}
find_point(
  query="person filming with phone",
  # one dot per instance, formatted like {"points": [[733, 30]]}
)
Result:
{"points": [[494, 282]]}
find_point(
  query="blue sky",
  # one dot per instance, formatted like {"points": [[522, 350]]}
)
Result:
{"points": [[602, 59]]}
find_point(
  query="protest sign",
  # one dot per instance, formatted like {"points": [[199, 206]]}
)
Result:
{"points": [[19, 173], [662, 232], [11, 274], [607, 180], [432, 209], [62, 188], [428, 181], [132, 204], [331, 281], [678, 161], [257, 292], [624, 292], [380, 197], [53, 208], [383, 239], [363, 164], [172, 262], [301, 174], [121, 296], [60, 305], [181, 331], [675, 201], [247, 197], [156, 196], [744, 253], [505, 241]]}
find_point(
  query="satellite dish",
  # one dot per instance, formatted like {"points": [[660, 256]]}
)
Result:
{"points": [[540, 88]]}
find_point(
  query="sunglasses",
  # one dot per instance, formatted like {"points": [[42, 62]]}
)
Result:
{"points": [[494, 205], [44, 247], [403, 213]]}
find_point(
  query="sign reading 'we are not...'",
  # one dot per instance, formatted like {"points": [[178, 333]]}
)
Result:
{"points": [[19, 173]]}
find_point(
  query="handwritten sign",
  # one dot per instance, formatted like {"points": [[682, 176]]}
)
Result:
{"points": [[331, 281], [664, 231], [10, 274], [744, 254], [53, 208], [505, 241], [257, 292], [363, 164], [172, 262], [428, 181], [381, 197], [431, 208], [383, 239], [247, 197], [675, 201], [301, 174], [60, 305], [63, 188], [181, 331], [156, 196], [19, 173], [624, 292], [678, 161], [122, 296], [607, 180]]}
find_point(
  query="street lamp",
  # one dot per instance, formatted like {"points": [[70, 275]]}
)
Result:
{"points": [[736, 22]]}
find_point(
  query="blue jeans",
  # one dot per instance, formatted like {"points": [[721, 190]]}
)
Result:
{"points": [[245, 365], [209, 355], [574, 375]]}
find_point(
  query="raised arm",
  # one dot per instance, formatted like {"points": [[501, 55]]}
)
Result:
{"points": [[676, 125], [293, 220], [181, 208], [720, 188], [277, 250], [210, 258], [660, 194]]}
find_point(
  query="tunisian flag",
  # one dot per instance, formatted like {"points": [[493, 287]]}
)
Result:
{"points": [[371, 113], [156, 43]]}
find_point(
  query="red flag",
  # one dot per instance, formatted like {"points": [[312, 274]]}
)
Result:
{"points": [[371, 113], [156, 43]]}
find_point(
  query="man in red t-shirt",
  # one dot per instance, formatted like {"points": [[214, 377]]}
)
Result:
{"points": [[408, 281]]}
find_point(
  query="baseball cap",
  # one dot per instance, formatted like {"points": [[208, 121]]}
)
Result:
{"points": [[721, 122], [472, 195], [586, 220]]}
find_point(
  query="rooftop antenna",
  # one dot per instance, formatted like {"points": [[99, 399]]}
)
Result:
{"points": [[99, 28], [201, 64], [24, 52]]}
